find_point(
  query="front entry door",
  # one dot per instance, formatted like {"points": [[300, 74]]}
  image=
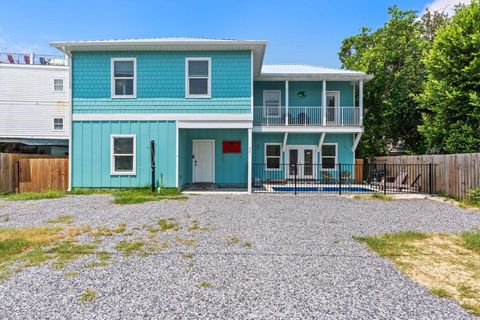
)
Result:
{"points": [[203, 161], [303, 157]]}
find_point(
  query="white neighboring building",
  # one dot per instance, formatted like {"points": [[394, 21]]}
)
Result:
{"points": [[34, 104]]}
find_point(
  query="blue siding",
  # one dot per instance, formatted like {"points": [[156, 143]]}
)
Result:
{"points": [[161, 83], [230, 168], [91, 153]]}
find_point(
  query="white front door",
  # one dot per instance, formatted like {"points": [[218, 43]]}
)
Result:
{"points": [[303, 158], [203, 161]]}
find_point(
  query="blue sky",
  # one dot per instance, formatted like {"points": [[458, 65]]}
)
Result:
{"points": [[298, 31]]}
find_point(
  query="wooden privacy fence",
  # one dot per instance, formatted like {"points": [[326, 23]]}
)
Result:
{"points": [[455, 174], [32, 173]]}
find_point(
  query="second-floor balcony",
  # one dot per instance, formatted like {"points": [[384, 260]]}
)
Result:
{"points": [[306, 116]]}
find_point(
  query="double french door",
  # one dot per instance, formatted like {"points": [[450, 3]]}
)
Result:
{"points": [[300, 161]]}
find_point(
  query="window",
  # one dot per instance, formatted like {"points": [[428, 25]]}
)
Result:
{"points": [[273, 156], [271, 103], [58, 124], [58, 85], [197, 77], [329, 156], [124, 77], [123, 155]]}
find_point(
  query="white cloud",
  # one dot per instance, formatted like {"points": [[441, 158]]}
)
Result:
{"points": [[447, 6]]}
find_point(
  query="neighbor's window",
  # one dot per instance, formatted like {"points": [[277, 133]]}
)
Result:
{"points": [[329, 156], [272, 156], [58, 124], [58, 85], [198, 77], [271, 103], [123, 77], [123, 155]]}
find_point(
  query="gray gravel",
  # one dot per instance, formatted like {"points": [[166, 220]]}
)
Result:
{"points": [[303, 263]]}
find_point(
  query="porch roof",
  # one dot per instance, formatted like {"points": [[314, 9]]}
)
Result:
{"points": [[309, 73]]}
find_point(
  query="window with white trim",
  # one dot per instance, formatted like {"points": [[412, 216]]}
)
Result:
{"points": [[123, 155], [124, 77], [271, 103], [198, 77], [273, 155], [329, 156], [58, 124], [58, 85]]}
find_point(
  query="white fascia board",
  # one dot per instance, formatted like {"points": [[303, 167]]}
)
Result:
{"points": [[313, 77], [309, 129], [162, 117], [215, 125]]}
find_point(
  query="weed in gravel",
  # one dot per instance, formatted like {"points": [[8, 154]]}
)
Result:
{"points": [[233, 240], [170, 224], [129, 247], [89, 191], [50, 194], [187, 242], [4, 217], [66, 251], [71, 274], [88, 295], [205, 284], [441, 293], [107, 232], [375, 196], [195, 226], [66, 219], [191, 264], [188, 255], [248, 245], [141, 195], [103, 259], [391, 243]]}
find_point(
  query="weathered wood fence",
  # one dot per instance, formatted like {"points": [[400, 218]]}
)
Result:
{"points": [[32, 172], [455, 174]]}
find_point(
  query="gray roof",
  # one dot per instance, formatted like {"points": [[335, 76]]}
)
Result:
{"points": [[308, 72]]}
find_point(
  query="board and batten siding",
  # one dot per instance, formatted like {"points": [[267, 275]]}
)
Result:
{"points": [[91, 159], [28, 102], [161, 83]]}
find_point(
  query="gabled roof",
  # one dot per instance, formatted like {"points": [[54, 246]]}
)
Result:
{"points": [[308, 72], [167, 44]]}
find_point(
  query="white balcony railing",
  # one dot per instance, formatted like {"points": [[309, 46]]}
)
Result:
{"points": [[306, 116]]}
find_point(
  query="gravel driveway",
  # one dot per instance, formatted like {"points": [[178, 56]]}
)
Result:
{"points": [[289, 257]]}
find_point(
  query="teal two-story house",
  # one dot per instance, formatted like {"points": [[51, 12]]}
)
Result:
{"points": [[216, 114]]}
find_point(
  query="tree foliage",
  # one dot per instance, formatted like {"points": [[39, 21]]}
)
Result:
{"points": [[451, 96]]}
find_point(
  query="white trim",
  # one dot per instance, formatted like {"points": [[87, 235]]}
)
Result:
{"points": [[112, 78], [163, 116], [265, 157], [187, 78], [356, 141], [63, 84], [63, 124], [336, 155], [112, 156], [287, 97], [213, 158], [70, 121], [285, 138], [249, 160], [300, 148], [312, 129], [215, 124], [251, 82], [177, 148], [324, 102], [279, 93], [336, 94], [322, 138], [360, 102]]}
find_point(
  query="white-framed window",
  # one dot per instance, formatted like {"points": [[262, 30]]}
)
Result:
{"points": [[272, 100], [273, 156], [329, 155], [124, 77], [123, 154], [58, 124], [198, 77], [58, 85]]}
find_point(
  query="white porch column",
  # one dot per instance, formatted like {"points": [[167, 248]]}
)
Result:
{"points": [[324, 102], [249, 171], [360, 102], [286, 102]]}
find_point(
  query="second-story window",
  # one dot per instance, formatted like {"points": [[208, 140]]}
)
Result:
{"points": [[198, 77], [58, 85], [124, 77]]}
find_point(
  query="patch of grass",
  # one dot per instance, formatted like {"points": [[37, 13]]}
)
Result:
{"points": [[248, 245], [195, 226], [471, 240], [205, 284], [88, 191], [170, 224], [103, 259], [4, 217], [188, 255], [141, 195], [441, 293], [66, 251], [374, 196], [49, 194], [233, 240], [391, 243], [472, 199], [129, 247], [67, 219], [187, 242], [88, 295], [107, 232], [71, 274]]}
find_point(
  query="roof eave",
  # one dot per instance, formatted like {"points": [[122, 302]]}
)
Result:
{"points": [[313, 77]]}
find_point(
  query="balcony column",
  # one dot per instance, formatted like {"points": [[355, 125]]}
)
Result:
{"points": [[360, 102], [249, 160], [324, 102], [286, 102]]}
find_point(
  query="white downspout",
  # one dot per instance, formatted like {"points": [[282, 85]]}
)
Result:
{"points": [[249, 151], [324, 102], [286, 102], [360, 102]]}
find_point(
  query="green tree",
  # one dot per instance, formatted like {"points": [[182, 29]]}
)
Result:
{"points": [[451, 96], [394, 54]]}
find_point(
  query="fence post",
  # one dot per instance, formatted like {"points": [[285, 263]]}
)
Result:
{"points": [[340, 178], [430, 178], [295, 179], [384, 178]]}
